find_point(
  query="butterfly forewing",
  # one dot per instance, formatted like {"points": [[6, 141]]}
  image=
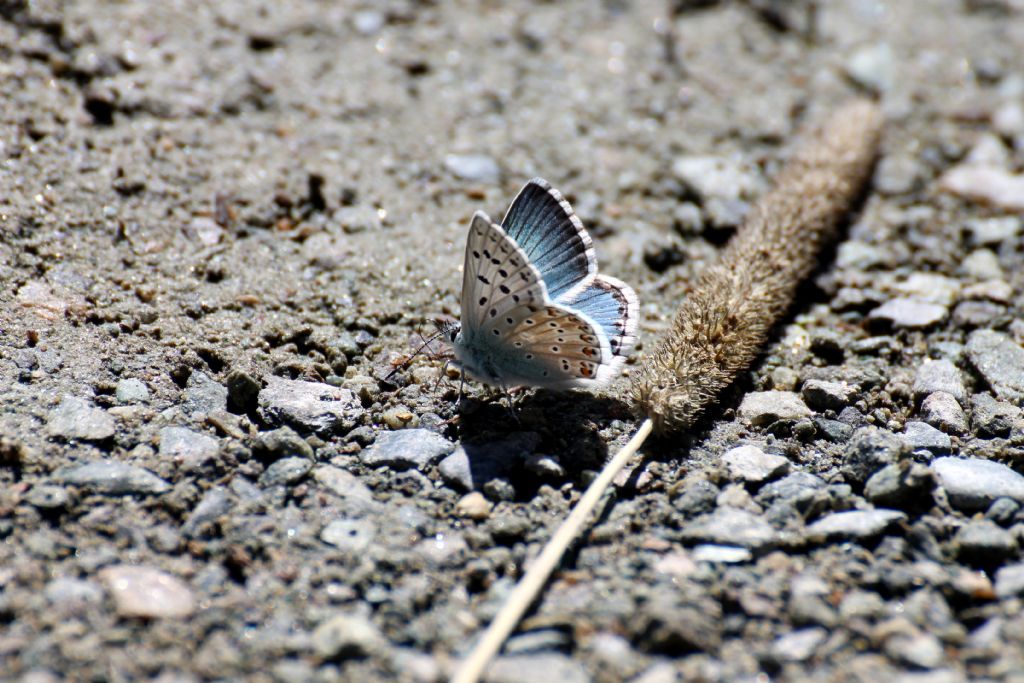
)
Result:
{"points": [[543, 224], [497, 276]]}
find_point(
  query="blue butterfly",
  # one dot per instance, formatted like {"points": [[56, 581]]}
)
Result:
{"points": [[534, 310]]}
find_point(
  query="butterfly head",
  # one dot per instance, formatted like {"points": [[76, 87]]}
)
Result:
{"points": [[448, 329]]}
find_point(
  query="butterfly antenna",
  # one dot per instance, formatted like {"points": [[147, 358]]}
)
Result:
{"points": [[408, 361]]}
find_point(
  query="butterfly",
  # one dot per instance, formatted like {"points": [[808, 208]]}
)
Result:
{"points": [[535, 312]]}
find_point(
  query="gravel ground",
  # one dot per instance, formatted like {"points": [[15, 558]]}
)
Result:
{"points": [[221, 222]]}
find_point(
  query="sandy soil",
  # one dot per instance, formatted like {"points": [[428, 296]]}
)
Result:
{"points": [[200, 197]]}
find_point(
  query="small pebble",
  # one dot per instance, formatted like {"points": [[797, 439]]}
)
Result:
{"points": [[1010, 581], [474, 506], [869, 450], [147, 592], [473, 167], [721, 554], [921, 436], [286, 471], [204, 395], [939, 375], [798, 646], [347, 636], [283, 442], [899, 485], [985, 184], [536, 666], [75, 418], [48, 497], [992, 418], [190, 450], [400, 417], [982, 264], [349, 535], [474, 464], [1000, 361], [751, 464], [112, 478], [910, 313], [942, 411], [872, 67], [994, 231], [731, 527], [406, 448], [762, 408], [308, 406], [712, 177], [973, 483], [855, 524], [131, 390], [983, 542], [821, 395]]}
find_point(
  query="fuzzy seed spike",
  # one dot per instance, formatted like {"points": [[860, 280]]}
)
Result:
{"points": [[725, 321]]}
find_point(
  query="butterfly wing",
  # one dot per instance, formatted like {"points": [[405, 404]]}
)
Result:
{"points": [[613, 305], [512, 334], [497, 275], [544, 225]]}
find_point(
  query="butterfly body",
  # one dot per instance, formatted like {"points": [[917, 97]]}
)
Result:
{"points": [[535, 312]]}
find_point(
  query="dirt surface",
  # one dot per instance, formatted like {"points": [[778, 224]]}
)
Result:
{"points": [[222, 223]]}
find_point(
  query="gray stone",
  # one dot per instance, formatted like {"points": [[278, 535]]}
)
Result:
{"points": [[721, 554], [983, 542], [821, 395], [443, 550], [308, 406], [76, 418], [972, 314], [872, 67], [474, 464], [898, 174], [900, 485], [1000, 361], [904, 312], [360, 218], [286, 471], [406, 448], [1010, 581], [242, 389], [833, 430], [982, 264], [729, 526], [1003, 511], [796, 489], [147, 592], [473, 167], [131, 390], [994, 231], [939, 375], [855, 524], [356, 496], [973, 483], [204, 395], [920, 650], [190, 450], [48, 497], [349, 535], [992, 418], [798, 646], [761, 408], [347, 636], [70, 596], [541, 640], [281, 443], [931, 288], [697, 496], [751, 464], [536, 666], [921, 436], [869, 450], [214, 504], [711, 177], [941, 410], [112, 478]]}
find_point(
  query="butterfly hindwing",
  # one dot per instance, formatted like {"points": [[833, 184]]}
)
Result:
{"points": [[550, 346], [544, 225], [613, 305]]}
